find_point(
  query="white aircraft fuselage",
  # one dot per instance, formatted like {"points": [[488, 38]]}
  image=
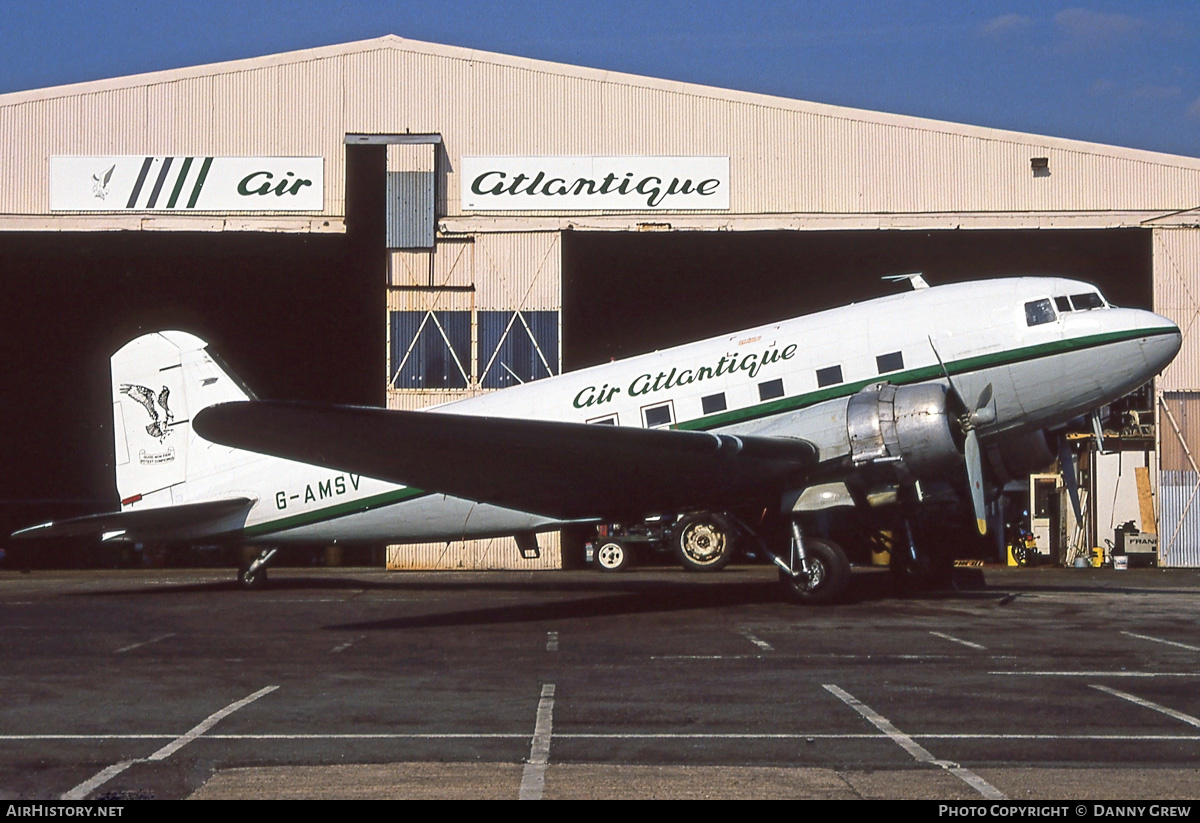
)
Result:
{"points": [[1046, 364]]}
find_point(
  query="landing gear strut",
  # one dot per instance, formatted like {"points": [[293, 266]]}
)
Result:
{"points": [[816, 571], [253, 575], [916, 569]]}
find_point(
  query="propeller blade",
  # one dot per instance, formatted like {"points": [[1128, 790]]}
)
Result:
{"points": [[984, 411], [1067, 464], [975, 478], [1098, 430], [957, 395]]}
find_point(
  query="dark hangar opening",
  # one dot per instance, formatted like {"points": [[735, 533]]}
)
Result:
{"points": [[626, 293], [289, 313]]}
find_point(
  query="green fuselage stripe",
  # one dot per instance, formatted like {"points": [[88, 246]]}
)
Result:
{"points": [[900, 378], [773, 407], [364, 504]]}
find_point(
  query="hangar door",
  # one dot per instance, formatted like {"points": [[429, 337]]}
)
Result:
{"points": [[1179, 479], [472, 314], [1177, 296], [450, 334]]}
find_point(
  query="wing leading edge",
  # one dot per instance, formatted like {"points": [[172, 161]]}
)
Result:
{"points": [[568, 471]]}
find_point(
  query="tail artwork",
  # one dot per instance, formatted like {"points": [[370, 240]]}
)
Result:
{"points": [[158, 382]]}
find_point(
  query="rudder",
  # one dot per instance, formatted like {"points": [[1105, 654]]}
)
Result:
{"points": [[159, 381]]}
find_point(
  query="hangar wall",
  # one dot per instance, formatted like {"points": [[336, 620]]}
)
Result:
{"points": [[469, 315], [1177, 296], [787, 157]]}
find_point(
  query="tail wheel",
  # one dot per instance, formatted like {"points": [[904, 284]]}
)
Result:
{"points": [[252, 579], [703, 542], [828, 577], [612, 556]]}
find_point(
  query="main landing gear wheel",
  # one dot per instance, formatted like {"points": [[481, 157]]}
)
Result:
{"points": [[612, 556], [828, 577], [703, 542]]}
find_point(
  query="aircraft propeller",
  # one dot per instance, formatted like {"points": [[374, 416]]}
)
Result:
{"points": [[981, 413]]}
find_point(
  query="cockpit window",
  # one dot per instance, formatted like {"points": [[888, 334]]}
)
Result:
{"points": [[1063, 304], [1038, 312], [1090, 300]]}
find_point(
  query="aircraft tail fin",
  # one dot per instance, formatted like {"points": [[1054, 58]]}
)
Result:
{"points": [[159, 382]]}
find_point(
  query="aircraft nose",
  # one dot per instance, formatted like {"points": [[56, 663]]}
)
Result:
{"points": [[1162, 342]]}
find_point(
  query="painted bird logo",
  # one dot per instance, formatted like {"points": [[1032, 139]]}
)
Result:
{"points": [[145, 397], [100, 182]]}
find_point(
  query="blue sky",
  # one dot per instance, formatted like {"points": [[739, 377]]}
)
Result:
{"points": [[1125, 73]]}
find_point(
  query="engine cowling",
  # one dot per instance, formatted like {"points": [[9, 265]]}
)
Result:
{"points": [[911, 428]]}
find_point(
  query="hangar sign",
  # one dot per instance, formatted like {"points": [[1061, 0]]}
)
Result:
{"points": [[180, 184], [589, 183]]}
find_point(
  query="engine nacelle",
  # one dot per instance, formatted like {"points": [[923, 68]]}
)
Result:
{"points": [[909, 427], [1015, 458]]}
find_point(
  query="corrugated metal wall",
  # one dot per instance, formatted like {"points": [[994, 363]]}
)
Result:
{"points": [[409, 209], [475, 555], [786, 156], [500, 283], [1177, 296]]}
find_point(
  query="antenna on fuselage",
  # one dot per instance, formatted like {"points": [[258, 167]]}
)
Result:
{"points": [[914, 278]]}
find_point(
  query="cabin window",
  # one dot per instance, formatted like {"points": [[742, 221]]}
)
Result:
{"points": [[713, 403], [607, 420], [1038, 312], [894, 361], [1062, 304], [1083, 302], [770, 389], [656, 416], [829, 376]]}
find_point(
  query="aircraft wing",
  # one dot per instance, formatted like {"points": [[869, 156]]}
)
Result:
{"points": [[210, 518], [562, 470]]}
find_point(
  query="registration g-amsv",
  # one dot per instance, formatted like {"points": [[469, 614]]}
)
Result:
{"points": [[751, 362], [654, 189]]}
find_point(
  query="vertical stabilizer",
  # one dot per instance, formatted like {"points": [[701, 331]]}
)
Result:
{"points": [[159, 381]]}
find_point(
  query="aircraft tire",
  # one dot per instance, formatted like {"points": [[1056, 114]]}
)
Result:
{"points": [[830, 577], [703, 542], [612, 556], [252, 582]]}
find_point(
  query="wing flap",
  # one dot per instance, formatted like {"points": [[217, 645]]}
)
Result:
{"points": [[210, 518], [561, 470]]}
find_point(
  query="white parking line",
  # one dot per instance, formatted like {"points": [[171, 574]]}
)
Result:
{"points": [[533, 778], [1099, 674], [1160, 640], [124, 649], [918, 752], [762, 644], [344, 646], [1186, 718], [551, 641], [954, 639], [606, 736], [86, 787]]}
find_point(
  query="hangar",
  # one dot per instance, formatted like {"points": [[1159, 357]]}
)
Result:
{"points": [[407, 223]]}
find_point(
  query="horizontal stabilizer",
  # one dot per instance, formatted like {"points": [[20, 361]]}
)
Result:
{"points": [[211, 518], [560, 470]]}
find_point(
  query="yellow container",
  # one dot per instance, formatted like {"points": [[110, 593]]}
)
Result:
{"points": [[1097, 557]]}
